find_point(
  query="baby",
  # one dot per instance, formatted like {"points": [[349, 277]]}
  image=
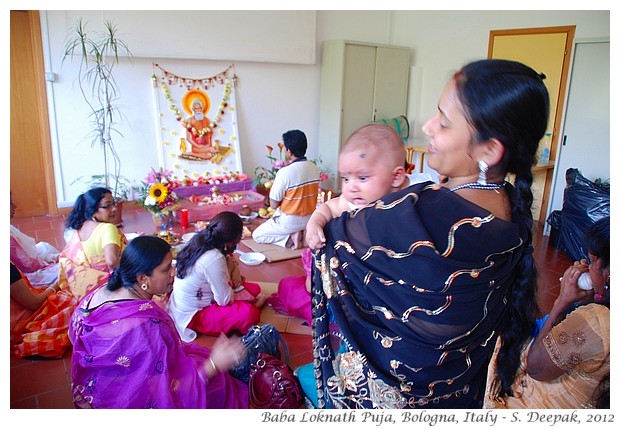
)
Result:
{"points": [[371, 165]]}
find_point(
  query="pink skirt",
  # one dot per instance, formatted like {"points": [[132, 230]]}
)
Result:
{"points": [[239, 315]]}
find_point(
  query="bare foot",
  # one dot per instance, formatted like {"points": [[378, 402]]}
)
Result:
{"points": [[261, 300], [297, 238]]}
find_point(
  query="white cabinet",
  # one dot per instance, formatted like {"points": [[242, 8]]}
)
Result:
{"points": [[360, 83]]}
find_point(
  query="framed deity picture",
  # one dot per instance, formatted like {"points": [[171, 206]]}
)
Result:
{"points": [[196, 123]]}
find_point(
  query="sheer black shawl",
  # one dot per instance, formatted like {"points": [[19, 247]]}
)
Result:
{"points": [[408, 295]]}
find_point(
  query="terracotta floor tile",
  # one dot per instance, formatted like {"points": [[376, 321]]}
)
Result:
{"points": [[40, 377], [26, 403], [30, 228], [60, 398]]}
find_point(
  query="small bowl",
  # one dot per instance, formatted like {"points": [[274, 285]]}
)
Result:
{"points": [[131, 235], [252, 258], [248, 218], [187, 237]]}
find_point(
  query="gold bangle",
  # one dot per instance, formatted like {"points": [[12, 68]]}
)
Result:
{"points": [[213, 364], [52, 289]]}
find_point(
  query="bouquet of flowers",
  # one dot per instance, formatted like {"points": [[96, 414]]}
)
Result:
{"points": [[264, 176], [157, 193]]}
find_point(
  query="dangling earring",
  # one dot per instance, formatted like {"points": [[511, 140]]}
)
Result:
{"points": [[144, 286], [482, 177]]}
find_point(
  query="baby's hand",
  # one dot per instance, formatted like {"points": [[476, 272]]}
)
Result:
{"points": [[315, 238]]}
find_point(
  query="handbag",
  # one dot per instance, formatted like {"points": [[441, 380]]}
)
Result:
{"points": [[259, 339], [273, 385]]}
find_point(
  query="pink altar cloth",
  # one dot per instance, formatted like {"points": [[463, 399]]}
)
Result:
{"points": [[201, 211], [188, 191]]}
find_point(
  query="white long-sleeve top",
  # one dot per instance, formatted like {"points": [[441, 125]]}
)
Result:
{"points": [[207, 281]]}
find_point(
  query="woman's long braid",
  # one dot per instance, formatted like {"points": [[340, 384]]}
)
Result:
{"points": [[522, 306], [203, 241]]}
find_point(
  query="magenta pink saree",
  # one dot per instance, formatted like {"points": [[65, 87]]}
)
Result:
{"points": [[128, 354]]}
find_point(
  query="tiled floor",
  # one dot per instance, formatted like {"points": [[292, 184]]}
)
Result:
{"points": [[43, 383]]}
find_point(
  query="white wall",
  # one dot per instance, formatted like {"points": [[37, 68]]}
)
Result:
{"points": [[275, 97], [443, 41], [271, 99]]}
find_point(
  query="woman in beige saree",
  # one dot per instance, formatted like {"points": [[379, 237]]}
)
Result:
{"points": [[92, 251]]}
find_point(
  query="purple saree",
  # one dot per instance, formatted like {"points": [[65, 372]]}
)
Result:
{"points": [[128, 354]]}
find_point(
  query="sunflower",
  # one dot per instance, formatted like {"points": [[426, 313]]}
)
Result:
{"points": [[159, 192]]}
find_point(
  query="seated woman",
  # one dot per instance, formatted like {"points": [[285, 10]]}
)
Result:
{"points": [[92, 251], [95, 244], [556, 373], [25, 300], [37, 261], [203, 298], [127, 352], [293, 295], [409, 292]]}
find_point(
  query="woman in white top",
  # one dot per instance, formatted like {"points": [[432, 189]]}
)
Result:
{"points": [[205, 299]]}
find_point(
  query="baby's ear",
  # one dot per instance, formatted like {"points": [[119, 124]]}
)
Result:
{"points": [[399, 175]]}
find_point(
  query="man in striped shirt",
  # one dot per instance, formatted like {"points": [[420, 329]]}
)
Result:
{"points": [[293, 195]]}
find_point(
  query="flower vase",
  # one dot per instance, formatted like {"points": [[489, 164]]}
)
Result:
{"points": [[161, 220], [260, 188]]}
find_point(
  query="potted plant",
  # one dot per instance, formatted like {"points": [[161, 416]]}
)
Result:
{"points": [[99, 53]]}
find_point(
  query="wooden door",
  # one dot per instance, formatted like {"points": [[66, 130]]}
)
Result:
{"points": [[546, 50], [31, 171]]}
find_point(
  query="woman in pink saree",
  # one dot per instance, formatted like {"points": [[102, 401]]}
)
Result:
{"points": [[127, 352], [92, 251]]}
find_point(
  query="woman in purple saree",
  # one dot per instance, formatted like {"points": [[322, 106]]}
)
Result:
{"points": [[410, 294], [127, 352]]}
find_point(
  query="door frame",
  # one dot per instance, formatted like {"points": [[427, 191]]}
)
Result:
{"points": [[42, 112], [560, 110]]}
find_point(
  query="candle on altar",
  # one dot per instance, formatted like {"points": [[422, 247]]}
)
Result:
{"points": [[184, 218], [320, 199]]}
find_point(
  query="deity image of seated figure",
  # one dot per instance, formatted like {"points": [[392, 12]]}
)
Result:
{"points": [[199, 133]]}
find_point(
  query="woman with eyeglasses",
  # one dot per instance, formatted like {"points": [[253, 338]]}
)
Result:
{"points": [[93, 249]]}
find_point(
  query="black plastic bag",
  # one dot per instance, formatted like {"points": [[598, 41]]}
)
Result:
{"points": [[585, 202], [555, 221]]}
